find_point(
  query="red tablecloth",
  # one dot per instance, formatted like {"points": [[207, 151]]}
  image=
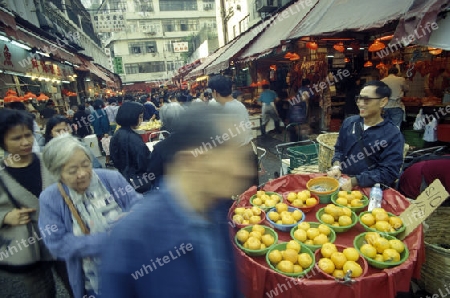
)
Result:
{"points": [[258, 280]]}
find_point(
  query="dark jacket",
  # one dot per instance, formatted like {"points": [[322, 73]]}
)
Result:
{"points": [[131, 157], [372, 156], [80, 118], [100, 122], [130, 257]]}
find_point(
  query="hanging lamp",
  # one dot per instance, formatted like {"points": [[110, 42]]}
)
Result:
{"points": [[376, 46]]}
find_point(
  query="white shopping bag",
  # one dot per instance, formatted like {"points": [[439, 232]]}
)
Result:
{"points": [[430, 134], [420, 121]]}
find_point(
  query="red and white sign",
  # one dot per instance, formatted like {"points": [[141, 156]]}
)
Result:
{"points": [[179, 47]]}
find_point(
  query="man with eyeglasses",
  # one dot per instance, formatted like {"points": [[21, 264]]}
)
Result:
{"points": [[369, 148]]}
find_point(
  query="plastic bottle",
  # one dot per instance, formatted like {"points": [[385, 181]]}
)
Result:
{"points": [[376, 196]]}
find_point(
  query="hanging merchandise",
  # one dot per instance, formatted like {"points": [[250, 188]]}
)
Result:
{"points": [[419, 123]]}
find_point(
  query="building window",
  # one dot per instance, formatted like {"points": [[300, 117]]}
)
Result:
{"points": [[180, 25], [131, 68], [150, 47], [177, 5], [243, 24], [136, 48]]}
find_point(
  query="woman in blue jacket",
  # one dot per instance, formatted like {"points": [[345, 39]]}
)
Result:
{"points": [[99, 197]]}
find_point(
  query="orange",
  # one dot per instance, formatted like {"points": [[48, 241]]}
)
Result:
{"points": [[327, 249], [274, 216], [259, 228], [254, 219], [354, 267], [256, 234], [293, 245], [391, 255], [242, 236], [263, 246], [324, 229], [368, 250], [291, 197], [276, 198], [397, 245], [256, 210], [350, 197], [338, 259], [304, 260], [329, 208], [298, 269], [297, 203], [267, 239], [338, 273], [286, 266], [347, 211], [290, 255], [311, 202], [342, 201], [351, 254], [381, 244], [356, 203], [239, 210], [312, 233], [357, 194], [370, 237], [300, 235], [309, 242], [375, 211], [237, 218], [382, 226], [297, 215], [247, 214], [287, 219], [368, 219], [253, 243], [304, 226], [379, 258], [303, 196], [320, 239], [260, 193], [326, 265], [327, 218], [345, 220], [275, 256], [281, 207], [342, 193], [396, 222], [381, 217]]}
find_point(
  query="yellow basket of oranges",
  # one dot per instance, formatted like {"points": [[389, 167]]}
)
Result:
{"points": [[340, 219], [379, 220], [380, 250], [290, 259], [265, 199]]}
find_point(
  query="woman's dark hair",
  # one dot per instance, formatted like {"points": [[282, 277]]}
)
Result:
{"points": [[382, 89], [11, 118], [51, 123], [128, 114], [81, 108]]}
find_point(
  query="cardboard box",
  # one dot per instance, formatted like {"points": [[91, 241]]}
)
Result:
{"points": [[419, 210]]}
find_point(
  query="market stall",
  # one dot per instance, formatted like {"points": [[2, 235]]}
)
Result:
{"points": [[258, 280]]}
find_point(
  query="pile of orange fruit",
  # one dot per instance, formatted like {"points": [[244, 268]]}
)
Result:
{"points": [[337, 216], [350, 198], [290, 260], [264, 200], [312, 236], [257, 239], [301, 199], [380, 220], [282, 216], [337, 263], [381, 249], [246, 216]]}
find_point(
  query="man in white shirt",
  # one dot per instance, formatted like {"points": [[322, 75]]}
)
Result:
{"points": [[221, 88], [394, 110], [170, 112]]}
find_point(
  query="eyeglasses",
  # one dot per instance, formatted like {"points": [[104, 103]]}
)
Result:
{"points": [[366, 100]]}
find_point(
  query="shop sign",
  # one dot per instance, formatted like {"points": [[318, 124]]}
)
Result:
{"points": [[111, 22], [19, 60], [180, 47], [118, 66]]}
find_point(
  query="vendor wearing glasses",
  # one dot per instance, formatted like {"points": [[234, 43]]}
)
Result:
{"points": [[369, 148]]}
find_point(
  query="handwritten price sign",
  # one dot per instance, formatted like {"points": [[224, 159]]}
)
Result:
{"points": [[419, 210]]}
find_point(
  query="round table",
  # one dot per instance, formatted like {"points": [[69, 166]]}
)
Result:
{"points": [[258, 280]]}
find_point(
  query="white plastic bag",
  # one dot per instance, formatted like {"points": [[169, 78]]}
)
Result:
{"points": [[430, 134], [420, 121]]}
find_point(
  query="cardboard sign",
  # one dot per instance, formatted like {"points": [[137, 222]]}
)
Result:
{"points": [[419, 210]]}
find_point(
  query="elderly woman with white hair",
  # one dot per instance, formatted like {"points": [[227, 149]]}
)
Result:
{"points": [[83, 206]]}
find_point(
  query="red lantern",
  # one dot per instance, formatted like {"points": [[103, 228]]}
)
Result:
{"points": [[312, 45], [339, 47], [288, 55]]}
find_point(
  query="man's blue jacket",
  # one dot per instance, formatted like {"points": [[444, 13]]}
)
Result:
{"points": [[374, 155]]}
